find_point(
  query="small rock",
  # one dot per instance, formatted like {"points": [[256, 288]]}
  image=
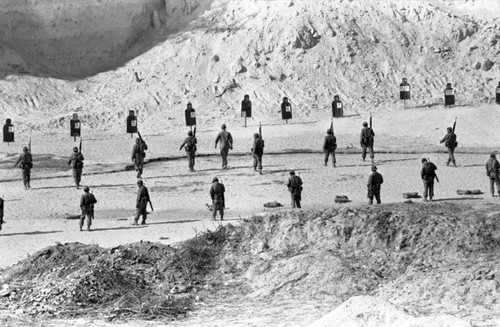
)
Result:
{"points": [[487, 65], [477, 65]]}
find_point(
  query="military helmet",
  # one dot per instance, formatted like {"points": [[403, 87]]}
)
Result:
{"points": [[374, 168], [329, 131], [365, 124], [139, 182], [215, 179], [223, 126], [137, 140], [190, 133], [449, 129], [25, 148], [292, 172], [424, 160], [493, 156], [86, 189], [256, 135], [75, 149]]}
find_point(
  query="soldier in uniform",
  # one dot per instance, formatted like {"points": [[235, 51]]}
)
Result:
{"points": [[374, 182], [428, 175], [1, 213], [226, 143], [190, 146], [87, 202], [257, 152], [138, 154], [492, 170], [218, 200], [450, 141], [329, 147], [367, 140], [295, 187], [141, 204], [26, 164], [76, 162]]}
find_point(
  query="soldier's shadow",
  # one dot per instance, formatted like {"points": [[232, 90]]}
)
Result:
{"points": [[118, 228], [457, 199], [32, 233]]}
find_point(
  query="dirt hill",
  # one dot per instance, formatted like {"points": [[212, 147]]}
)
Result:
{"points": [[162, 54]]}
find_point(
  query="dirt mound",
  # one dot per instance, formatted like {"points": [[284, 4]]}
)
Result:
{"points": [[148, 280], [403, 253]]}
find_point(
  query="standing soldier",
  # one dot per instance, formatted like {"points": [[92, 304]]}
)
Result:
{"points": [[26, 164], [1, 213], [450, 141], [367, 140], [428, 175], [329, 147], [295, 187], [138, 154], [76, 162], [218, 201], [226, 143], [141, 204], [374, 182], [87, 204], [257, 152], [492, 168], [190, 144]]}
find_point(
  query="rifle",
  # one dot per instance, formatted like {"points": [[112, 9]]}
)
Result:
{"points": [[260, 130], [223, 197], [29, 145], [80, 147], [140, 137], [370, 120], [194, 131], [437, 179], [151, 205], [454, 125], [331, 127]]}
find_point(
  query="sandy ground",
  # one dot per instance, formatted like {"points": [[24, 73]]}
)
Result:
{"points": [[37, 218]]}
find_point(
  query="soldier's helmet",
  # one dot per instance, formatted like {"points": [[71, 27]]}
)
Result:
{"points": [[424, 160], [137, 140], [493, 156], [139, 182], [256, 135], [374, 168], [365, 124], [292, 172], [329, 131], [25, 148], [190, 133], [86, 189], [449, 129], [215, 179], [75, 149], [223, 126]]}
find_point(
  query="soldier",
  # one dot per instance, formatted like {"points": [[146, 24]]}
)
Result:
{"points": [[374, 182], [226, 143], [1, 213], [141, 204], [257, 152], [76, 162], [26, 164], [138, 154], [87, 204], [329, 147], [295, 187], [190, 143], [450, 141], [366, 140], [492, 168], [218, 200], [428, 175]]}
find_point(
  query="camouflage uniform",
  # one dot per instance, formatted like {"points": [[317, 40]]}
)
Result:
{"points": [[190, 146], [76, 162], [138, 154], [218, 200], [329, 147], [492, 170], [257, 152], [374, 182], [366, 141], [26, 161], [141, 204], [87, 202], [295, 187], [450, 141], [428, 175], [226, 143]]}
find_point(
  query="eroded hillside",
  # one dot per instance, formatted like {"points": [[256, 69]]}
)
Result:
{"points": [[213, 52]]}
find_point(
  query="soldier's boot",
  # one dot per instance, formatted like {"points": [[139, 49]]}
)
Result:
{"points": [[326, 164], [143, 222], [454, 165], [334, 165], [425, 199], [260, 171], [135, 223], [430, 199]]}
